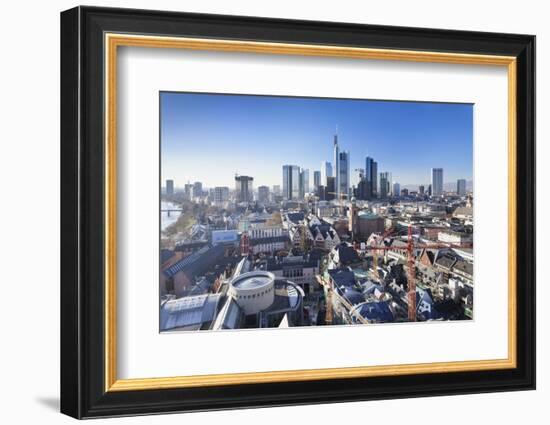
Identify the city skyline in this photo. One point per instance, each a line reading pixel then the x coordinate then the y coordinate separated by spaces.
pixel 240 129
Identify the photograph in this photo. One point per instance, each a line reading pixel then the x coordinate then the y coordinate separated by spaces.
pixel 278 211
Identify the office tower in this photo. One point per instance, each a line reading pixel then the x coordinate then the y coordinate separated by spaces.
pixel 342 170
pixel 169 187
pixel 437 181
pixel 243 188
pixel 375 179
pixel 461 187
pixel 321 193
pixel 326 171
pixel 304 182
pixel 336 162
pixel 429 190
pixel 197 190
pixel 316 180
pixel 421 189
pixel 276 190
pixel 330 191
pixel 369 177
pixel 188 190
pixel 385 184
pixel 396 189
pixel 344 174
pixel 221 194
pixel 263 193
pixel 405 192
pixel 291 182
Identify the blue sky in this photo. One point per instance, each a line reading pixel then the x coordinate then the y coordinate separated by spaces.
pixel 209 137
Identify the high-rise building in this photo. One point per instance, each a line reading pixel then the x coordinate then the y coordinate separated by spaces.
pixel 326 171
pixel 437 181
pixel 243 188
pixel 263 193
pixel 405 192
pixel 316 180
pixel 461 187
pixel 304 182
pixel 169 187
pixel 336 162
pixel 385 179
pixel 291 182
pixel 221 194
pixel 360 192
pixel 188 190
pixel 276 190
pixel 344 174
pixel 342 170
pixel 330 190
pixel 375 179
pixel 396 189
pixel 197 190
pixel 371 175
pixel 421 189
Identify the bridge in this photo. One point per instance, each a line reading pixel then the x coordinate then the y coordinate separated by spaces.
pixel 168 211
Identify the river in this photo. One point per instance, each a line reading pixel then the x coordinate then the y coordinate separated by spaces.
pixel 165 219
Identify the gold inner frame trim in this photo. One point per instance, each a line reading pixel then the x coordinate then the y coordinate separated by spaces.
pixel 113 41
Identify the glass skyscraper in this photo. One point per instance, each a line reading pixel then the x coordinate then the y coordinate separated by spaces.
pixel 291 182
pixel 437 181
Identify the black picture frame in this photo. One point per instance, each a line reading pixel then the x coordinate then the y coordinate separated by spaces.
pixel 82 206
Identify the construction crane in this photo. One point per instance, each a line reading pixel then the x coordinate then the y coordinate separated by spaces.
pixel 328 301
pixel 329 315
pixel 375 252
pixel 411 265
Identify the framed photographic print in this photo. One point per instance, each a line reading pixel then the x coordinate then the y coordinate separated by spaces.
pixel 261 212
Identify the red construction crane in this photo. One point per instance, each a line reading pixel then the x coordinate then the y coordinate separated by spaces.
pixel 411 265
pixel 375 252
pixel 411 277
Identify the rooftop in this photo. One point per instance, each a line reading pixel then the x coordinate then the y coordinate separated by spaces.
pixel 188 312
pixel 251 280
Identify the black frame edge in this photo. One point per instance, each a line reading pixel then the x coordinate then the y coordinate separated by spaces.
pixel 70 383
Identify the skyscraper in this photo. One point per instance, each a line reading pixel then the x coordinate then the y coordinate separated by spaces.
pixel 461 187
pixel 326 171
pixel 263 193
pixel 221 194
pixel 169 187
pixel 291 182
pixel 385 179
pixel 421 189
pixel 369 177
pixel 330 189
pixel 342 174
pixel 437 181
pixel 396 189
pixel 336 162
pixel 316 180
pixel 243 188
pixel 188 190
pixel 197 190
pixel 304 182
